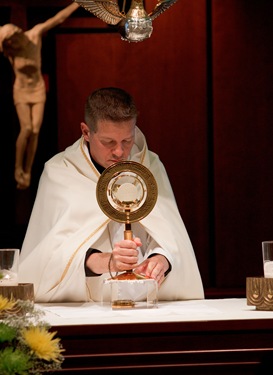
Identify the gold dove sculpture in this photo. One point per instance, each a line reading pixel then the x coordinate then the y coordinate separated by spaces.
pixel 135 25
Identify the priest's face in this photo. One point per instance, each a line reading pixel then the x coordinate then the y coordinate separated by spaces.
pixel 112 142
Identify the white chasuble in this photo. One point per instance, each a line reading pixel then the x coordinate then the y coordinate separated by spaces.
pixel 66 221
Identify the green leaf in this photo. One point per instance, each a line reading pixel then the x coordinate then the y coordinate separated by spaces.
pixel 7 333
pixel 14 362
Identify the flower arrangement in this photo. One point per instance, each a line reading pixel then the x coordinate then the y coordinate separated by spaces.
pixel 26 344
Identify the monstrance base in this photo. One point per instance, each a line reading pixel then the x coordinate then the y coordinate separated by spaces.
pixel 134 292
pixel 130 275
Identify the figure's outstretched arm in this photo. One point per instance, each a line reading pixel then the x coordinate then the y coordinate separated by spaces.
pixel 59 18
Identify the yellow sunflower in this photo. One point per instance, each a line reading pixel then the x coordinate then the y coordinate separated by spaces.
pixel 42 344
pixel 6 304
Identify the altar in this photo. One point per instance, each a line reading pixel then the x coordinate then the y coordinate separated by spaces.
pixel 211 336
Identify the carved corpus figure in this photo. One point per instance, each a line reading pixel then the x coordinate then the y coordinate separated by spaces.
pixel 23 49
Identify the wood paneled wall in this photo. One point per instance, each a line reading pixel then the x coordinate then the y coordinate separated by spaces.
pixel 242 136
pixel 203 84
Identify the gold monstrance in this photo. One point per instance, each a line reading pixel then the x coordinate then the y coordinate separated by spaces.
pixel 126 193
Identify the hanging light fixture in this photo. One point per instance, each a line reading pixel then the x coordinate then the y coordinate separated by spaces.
pixel 135 25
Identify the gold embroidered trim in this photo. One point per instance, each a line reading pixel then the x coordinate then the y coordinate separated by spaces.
pixel 87 159
pixel 76 251
pixel 143 155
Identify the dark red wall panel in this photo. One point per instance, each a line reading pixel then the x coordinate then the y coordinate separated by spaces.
pixel 243 133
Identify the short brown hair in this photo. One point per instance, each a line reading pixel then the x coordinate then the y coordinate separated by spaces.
pixel 109 103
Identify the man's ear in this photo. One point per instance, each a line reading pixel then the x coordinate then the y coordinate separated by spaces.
pixel 85 131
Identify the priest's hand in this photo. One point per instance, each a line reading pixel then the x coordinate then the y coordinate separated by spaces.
pixel 125 255
pixel 154 267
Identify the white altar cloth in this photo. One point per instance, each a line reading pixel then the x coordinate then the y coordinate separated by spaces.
pixel 61 314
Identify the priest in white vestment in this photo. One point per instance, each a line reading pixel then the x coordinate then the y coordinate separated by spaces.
pixel 71 246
